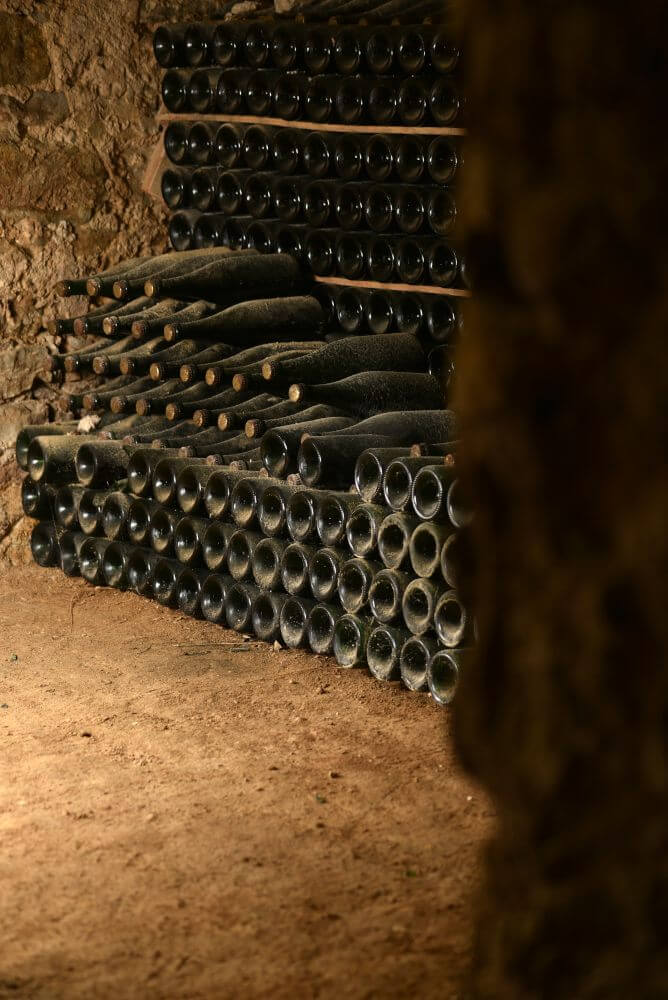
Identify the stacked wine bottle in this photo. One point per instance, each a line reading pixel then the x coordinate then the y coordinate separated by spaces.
pixel 247 467
pixel 339 144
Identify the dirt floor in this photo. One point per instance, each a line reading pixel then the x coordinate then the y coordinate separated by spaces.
pixel 183 815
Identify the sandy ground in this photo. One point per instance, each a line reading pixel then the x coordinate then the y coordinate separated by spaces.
pixel 183 816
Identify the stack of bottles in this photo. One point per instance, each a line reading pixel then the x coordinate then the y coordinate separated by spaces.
pixel 248 468
pixel 339 144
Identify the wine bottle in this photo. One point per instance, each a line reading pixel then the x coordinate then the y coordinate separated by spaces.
pixel 318 50
pixel 108 362
pixel 247 358
pixel 202 188
pixel 191 483
pixel 118 395
pixel 258 196
pixel 398 479
pixel 362 528
pixel 266 563
pixel 426 545
pixel 228 43
pixel 430 490
pixel 101 463
pixel 324 567
pixel 234 278
pixel 91 555
pixel 199 362
pixel 256 427
pixel 351 356
pixel 272 506
pixel 355 578
pixel 380 260
pixel 445 104
pixel 146 266
pixel 202 143
pixel 383 650
pixel 351 634
pixel 93 323
pixel 162 528
pixel 443 160
pixel 294 567
pixel 78 286
pixel 296 317
pixel 320 628
pixel 288 95
pixel 414 659
pixel 232 417
pixel 373 392
pixel 293 621
pixel 131 364
pixel 169 45
pixel 386 594
pixel 317 155
pixel 394 539
pixel 286 151
pixel 366 99
pixel 331 460
pixel 211 230
pixel 79 361
pixel 266 615
pixel 198 44
pixel 280 447
pixel 176 143
pixel 301 515
pixel 64 504
pixel 240 550
pixel 175 188
pixel 228 146
pixel 181 230
pixel 39 500
pixel 406 427
pixel 259 92
pixel 443 673
pixel 239 603
pixel 231 91
pixel 370 468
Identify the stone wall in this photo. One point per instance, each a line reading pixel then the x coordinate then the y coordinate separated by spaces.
pixel 563 400
pixel 78 97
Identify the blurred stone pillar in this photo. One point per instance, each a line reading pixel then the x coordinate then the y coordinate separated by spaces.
pixel 563 392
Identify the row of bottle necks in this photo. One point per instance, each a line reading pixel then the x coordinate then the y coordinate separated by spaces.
pixel 408 159
pixel 390 653
pixel 378 51
pixel 348 309
pixel 415 101
pixel 329 252
pixel 350 205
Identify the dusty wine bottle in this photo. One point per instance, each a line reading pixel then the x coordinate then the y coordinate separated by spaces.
pixel 293 621
pixel 320 628
pixel 370 468
pixel 323 570
pixel 40 500
pixel 362 529
pixel 348 357
pixel 398 479
pixel 350 638
pixel 419 604
pixel 414 659
pixel 394 539
pixel 235 278
pixel 386 594
pixel 383 651
pixel 373 392
pixel 430 490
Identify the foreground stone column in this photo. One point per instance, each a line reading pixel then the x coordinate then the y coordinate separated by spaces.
pixel 563 394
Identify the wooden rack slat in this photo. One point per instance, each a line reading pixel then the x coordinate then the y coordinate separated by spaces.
pixel 390 286
pixel 166 117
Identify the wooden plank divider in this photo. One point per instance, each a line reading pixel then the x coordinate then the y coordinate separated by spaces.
pixel 390 286
pixel 165 117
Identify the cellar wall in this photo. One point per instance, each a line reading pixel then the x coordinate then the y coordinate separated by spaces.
pixel 78 99
pixel 562 396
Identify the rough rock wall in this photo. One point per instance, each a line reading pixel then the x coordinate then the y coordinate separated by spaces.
pixel 78 98
pixel 563 396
